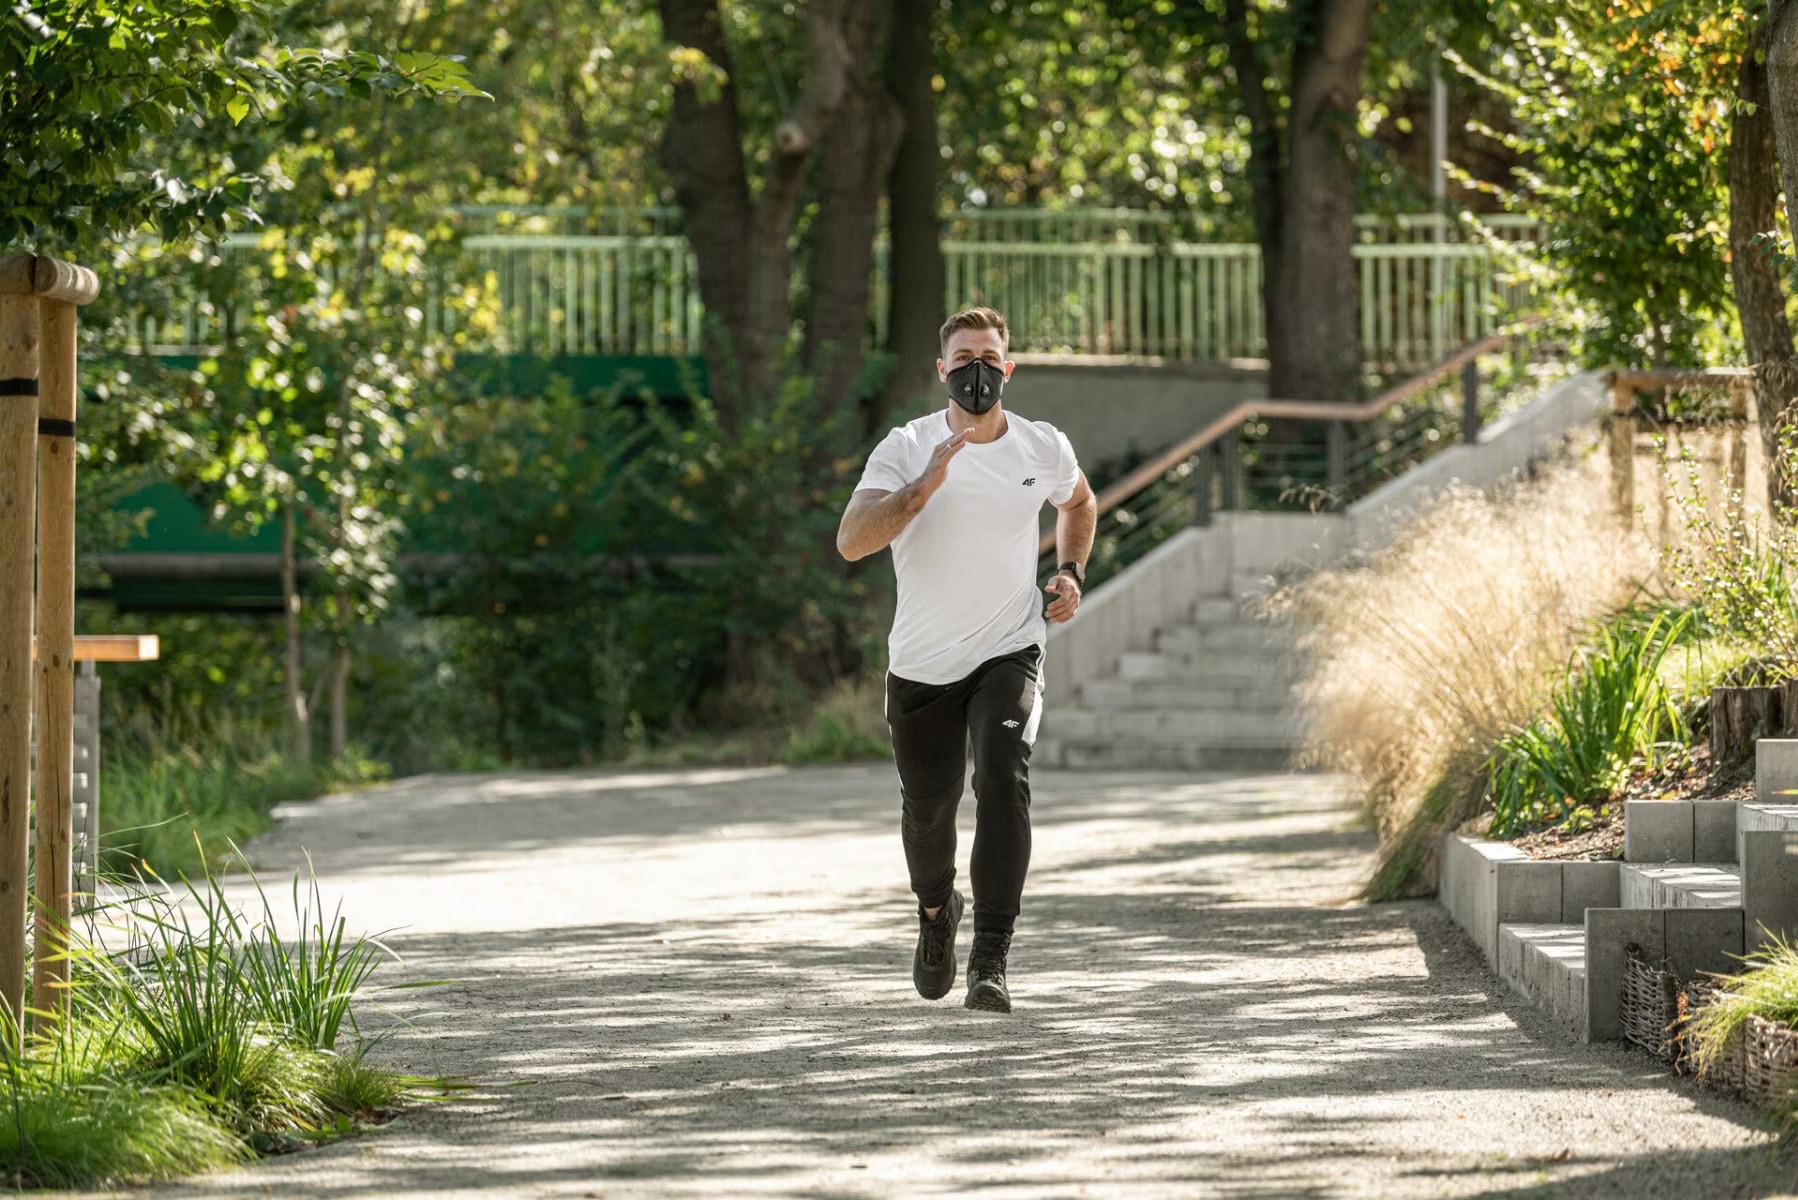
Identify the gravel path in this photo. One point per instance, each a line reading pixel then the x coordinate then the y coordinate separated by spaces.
pixel 697 984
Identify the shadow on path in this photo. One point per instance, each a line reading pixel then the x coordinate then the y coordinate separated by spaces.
pixel 1198 1014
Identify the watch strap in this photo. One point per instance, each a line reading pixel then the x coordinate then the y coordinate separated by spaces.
pixel 1078 571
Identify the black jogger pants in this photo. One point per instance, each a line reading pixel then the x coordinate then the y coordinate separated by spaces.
pixel 997 706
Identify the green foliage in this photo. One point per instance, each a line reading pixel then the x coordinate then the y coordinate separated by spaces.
pixel 87 92
pixel 1610 710
pixel 1618 112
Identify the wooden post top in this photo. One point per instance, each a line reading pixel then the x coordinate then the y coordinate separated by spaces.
pixel 48 278
pixel 115 647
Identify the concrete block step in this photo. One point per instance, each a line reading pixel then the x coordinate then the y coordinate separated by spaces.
pixel 1681 885
pixel 1230 668
pixel 1770 817
pixel 1215 726
pixel 1213 610
pixel 1117 755
pixel 1258 695
pixel 1202 640
pixel 1775 770
pixel 1679 831
pixel 1547 964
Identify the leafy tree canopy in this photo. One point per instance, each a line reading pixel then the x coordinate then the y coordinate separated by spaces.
pixel 88 91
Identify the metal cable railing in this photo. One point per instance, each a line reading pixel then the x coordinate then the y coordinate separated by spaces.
pixel 1272 455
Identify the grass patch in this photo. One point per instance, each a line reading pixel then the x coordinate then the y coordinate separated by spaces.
pixel 197 1036
pixel 1767 988
pixel 848 725
pixel 172 810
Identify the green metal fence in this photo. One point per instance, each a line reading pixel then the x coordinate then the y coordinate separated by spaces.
pixel 1081 283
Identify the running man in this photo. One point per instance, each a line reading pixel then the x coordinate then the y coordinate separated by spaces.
pixel 957 494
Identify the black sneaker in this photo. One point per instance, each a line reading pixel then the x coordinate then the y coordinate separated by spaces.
pixel 933 965
pixel 986 972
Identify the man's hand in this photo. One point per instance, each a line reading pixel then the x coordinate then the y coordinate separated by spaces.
pixel 938 469
pixel 1067 598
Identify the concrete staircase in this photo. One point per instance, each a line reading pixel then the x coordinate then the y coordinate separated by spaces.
pixel 1215 692
pixel 1702 882
pixel 1164 667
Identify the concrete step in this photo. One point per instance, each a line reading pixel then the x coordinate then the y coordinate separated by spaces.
pixel 1755 817
pixel 1679 831
pixel 1681 885
pixel 1219 668
pixel 1260 695
pixel 1547 964
pixel 1213 610
pixel 1215 726
pixel 1775 769
pixel 1207 640
pixel 1170 755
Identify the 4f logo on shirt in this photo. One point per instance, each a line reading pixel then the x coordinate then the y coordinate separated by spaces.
pixel 1011 724
pixel 1030 482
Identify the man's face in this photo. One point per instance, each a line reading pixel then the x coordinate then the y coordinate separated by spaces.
pixel 966 345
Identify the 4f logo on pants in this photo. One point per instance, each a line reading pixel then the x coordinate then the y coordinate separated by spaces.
pixel 1011 724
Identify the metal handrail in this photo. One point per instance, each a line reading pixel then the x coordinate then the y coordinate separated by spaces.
pixel 1337 414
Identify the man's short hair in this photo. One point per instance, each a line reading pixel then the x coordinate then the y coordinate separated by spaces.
pixel 973 318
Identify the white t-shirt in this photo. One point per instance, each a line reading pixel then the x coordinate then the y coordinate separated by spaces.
pixel 967 562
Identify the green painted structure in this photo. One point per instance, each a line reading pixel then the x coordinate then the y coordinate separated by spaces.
pixel 185 561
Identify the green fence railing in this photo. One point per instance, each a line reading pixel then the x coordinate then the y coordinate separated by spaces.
pixel 1079 283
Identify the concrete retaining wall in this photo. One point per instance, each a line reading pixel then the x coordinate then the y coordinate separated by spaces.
pixel 1487 884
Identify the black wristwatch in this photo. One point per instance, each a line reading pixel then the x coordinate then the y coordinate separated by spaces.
pixel 1075 569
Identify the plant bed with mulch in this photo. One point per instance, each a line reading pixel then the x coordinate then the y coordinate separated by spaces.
pixel 1596 833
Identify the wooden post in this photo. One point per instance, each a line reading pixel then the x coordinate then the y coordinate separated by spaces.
pixel 1623 448
pixel 55 664
pixel 26 282
pixel 18 521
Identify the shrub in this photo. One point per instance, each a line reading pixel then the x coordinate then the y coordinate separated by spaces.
pixel 1611 709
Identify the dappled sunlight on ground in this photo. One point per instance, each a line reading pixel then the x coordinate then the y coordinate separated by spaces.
pixel 697 984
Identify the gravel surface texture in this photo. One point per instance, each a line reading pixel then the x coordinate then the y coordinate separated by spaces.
pixel 697 984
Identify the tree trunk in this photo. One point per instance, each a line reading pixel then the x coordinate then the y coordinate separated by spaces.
pixel 299 718
pixel 1267 173
pixel 1754 209
pixel 742 246
pixel 702 153
pixel 1316 284
pixel 853 157
pixel 915 270
pixel 1740 715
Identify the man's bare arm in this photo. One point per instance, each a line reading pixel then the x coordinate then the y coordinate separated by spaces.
pixel 874 518
pixel 1074 525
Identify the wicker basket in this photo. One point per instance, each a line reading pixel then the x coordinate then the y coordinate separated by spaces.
pixel 1648 1003
pixel 1727 1072
pixel 1770 1062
